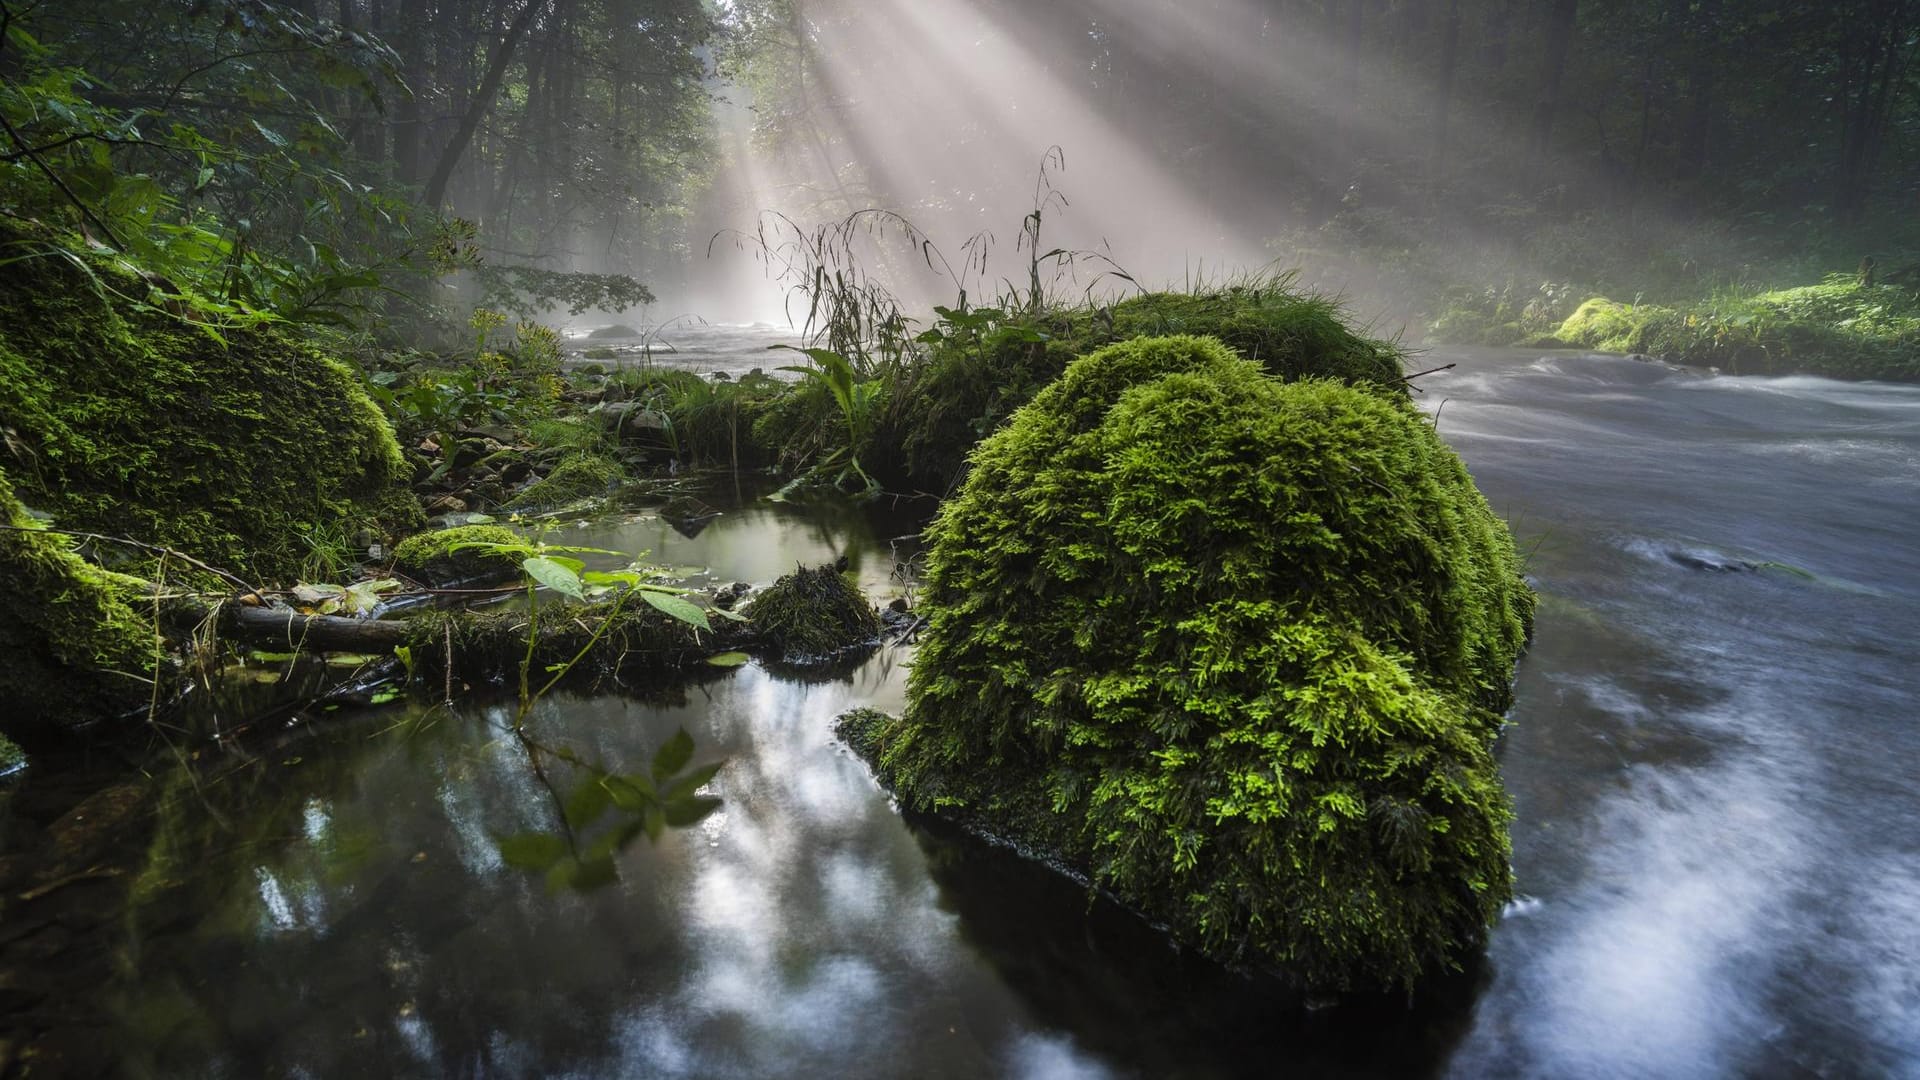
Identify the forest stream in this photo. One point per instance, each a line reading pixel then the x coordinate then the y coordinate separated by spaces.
pixel 1709 757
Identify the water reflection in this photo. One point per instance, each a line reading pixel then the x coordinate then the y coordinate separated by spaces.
pixel 1712 772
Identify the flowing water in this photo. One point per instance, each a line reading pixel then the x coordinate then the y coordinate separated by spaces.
pixel 1713 757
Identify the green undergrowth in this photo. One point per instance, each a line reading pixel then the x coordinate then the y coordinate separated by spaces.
pixel 577 476
pixel 812 614
pixel 1841 327
pixel 1235 648
pixel 431 556
pixel 78 642
pixel 127 413
pixel 978 371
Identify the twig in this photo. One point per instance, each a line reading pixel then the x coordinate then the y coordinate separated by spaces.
pixel 85 211
pixel 1429 371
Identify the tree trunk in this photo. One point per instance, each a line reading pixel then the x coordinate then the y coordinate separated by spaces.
pixel 1443 91
pixel 496 73
pixel 1561 20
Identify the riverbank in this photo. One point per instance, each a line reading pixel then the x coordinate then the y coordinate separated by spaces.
pixel 1859 326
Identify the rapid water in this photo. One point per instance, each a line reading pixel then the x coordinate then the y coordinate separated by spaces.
pixel 1714 757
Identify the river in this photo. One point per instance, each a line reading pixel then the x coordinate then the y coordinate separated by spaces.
pixel 1714 758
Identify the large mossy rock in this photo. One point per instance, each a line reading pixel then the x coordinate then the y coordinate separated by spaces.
pixel 74 647
pixel 125 418
pixel 973 381
pixel 1235 648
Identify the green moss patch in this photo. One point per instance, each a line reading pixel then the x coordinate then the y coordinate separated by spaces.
pixel 577 476
pixel 1233 647
pixel 431 557
pixel 76 643
pixel 813 614
pixel 975 377
pixel 1841 328
pixel 128 420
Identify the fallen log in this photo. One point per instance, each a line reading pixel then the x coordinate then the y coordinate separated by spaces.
pixel 806 615
pixel 286 629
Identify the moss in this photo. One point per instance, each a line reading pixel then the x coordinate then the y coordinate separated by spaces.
pixel 1602 324
pixel 577 476
pixel 430 557
pixel 570 433
pixel 12 758
pixel 813 614
pixel 127 420
pixel 76 648
pixel 1839 328
pixel 972 381
pixel 1235 648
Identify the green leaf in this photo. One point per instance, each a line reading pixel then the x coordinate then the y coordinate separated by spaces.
pixel 673 755
pixel 690 810
pixel 596 873
pixel 677 608
pixel 587 803
pixel 533 851
pixel 631 793
pixel 692 782
pixel 553 575
pixel 729 659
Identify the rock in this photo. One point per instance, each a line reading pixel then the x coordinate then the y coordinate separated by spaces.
pixel 814 615
pixel 446 504
pixel 437 559
pixel 1236 650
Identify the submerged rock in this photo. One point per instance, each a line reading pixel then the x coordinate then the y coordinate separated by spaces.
pixel 1236 650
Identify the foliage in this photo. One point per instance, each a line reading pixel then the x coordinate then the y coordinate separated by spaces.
pixel 581 855
pixel 231 447
pixel 858 400
pixel 1842 327
pixel 1237 649
pixel 556 568
pixel 529 292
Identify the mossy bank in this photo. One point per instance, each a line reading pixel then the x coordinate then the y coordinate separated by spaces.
pixel 1844 327
pixel 1234 648
pixel 134 415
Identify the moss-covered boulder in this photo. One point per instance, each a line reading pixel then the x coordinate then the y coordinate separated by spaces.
pixel 978 374
pixel 1236 649
pixel 74 647
pixel 142 419
pixel 577 476
pixel 1602 324
pixel 813 615
pixel 439 559
pixel 1842 327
